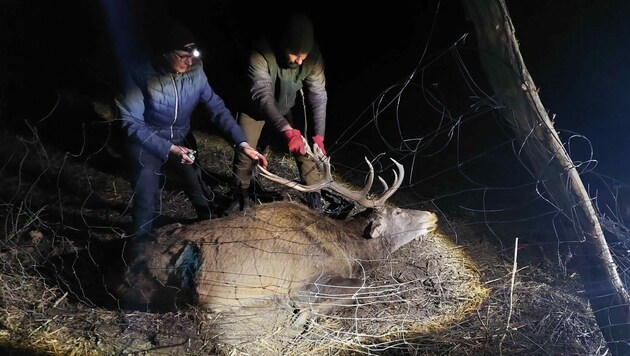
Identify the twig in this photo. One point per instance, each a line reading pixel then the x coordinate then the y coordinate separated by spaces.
pixel 514 268
pixel 41 326
pixel 60 300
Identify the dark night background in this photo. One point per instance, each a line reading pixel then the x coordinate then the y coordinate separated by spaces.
pixel 574 50
pixel 577 53
pixel 59 59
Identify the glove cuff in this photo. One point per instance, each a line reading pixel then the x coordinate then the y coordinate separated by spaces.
pixel 291 133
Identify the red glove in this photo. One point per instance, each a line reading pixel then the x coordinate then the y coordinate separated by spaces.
pixel 296 145
pixel 319 141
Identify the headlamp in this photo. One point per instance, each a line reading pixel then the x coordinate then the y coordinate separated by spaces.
pixel 192 49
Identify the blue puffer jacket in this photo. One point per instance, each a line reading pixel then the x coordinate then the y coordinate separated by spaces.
pixel 156 107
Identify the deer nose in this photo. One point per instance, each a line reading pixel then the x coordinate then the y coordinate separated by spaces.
pixel 431 221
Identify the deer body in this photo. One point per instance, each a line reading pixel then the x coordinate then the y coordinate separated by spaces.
pixel 279 250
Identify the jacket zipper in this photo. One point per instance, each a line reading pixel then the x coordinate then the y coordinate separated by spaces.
pixel 176 105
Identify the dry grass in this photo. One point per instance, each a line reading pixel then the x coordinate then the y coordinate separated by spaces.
pixel 433 297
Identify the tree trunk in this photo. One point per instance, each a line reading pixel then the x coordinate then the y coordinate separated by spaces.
pixel 514 89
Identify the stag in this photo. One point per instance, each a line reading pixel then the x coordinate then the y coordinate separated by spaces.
pixel 279 251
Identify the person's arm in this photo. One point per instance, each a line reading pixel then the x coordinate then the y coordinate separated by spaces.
pixel 223 119
pixel 262 92
pixel 315 84
pixel 254 155
pixel 220 116
pixel 131 107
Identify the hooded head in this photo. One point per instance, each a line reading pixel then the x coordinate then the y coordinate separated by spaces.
pixel 296 39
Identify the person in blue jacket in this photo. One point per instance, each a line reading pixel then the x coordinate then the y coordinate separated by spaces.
pixel 156 106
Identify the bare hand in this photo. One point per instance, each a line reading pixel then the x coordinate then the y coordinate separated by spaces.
pixel 187 154
pixel 255 156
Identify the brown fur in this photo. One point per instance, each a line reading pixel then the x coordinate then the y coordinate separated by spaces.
pixel 278 250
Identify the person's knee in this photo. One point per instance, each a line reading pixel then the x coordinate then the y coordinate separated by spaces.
pixel 309 174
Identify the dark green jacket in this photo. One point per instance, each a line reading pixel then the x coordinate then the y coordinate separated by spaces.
pixel 273 89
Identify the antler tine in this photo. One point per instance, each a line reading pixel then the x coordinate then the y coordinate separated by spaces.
pixel 389 191
pixel 370 177
pixel 292 184
pixel 327 182
pixel 384 183
pixel 319 159
pixel 361 198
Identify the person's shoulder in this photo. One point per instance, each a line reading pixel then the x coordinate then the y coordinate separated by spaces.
pixel 196 66
pixel 138 72
pixel 314 56
pixel 261 56
pixel 315 52
pixel 196 71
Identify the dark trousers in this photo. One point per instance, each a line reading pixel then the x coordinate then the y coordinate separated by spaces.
pixel 148 180
pixel 242 165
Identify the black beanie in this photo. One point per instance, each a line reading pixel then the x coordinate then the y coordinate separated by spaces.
pixel 297 36
pixel 178 37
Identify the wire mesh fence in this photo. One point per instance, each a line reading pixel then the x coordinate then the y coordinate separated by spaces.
pixel 500 274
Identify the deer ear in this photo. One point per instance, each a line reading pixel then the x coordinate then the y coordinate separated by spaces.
pixel 377 228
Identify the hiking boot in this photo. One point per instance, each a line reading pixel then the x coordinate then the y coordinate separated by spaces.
pixel 241 202
pixel 315 201
pixel 204 212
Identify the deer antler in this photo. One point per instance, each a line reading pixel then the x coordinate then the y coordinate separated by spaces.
pixel 323 165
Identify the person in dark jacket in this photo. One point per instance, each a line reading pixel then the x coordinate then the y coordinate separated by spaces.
pixel 280 66
pixel 156 108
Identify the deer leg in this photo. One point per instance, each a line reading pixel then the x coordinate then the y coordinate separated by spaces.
pixel 325 296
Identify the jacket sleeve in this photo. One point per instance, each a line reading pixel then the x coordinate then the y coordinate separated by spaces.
pixel 262 92
pixel 315 84
pixel 131 106
pixel 220 116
